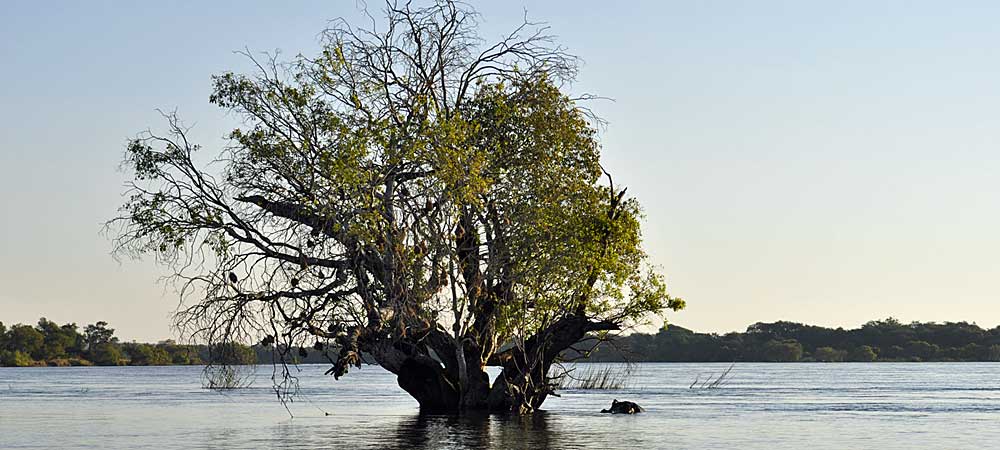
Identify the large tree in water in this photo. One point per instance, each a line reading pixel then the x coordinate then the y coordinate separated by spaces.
pixel 413 193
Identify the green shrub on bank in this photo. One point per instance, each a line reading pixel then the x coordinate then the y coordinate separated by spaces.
pixel 16 358
pixel 862 353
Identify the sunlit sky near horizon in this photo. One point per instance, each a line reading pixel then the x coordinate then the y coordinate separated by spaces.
pixel 821 162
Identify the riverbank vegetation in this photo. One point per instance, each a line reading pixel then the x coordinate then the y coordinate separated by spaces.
pixel 50 344
pixel 881 340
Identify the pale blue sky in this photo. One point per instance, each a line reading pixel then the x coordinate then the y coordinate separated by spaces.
pixel 828 163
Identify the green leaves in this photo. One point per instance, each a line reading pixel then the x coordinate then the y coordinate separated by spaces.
pixel 392 188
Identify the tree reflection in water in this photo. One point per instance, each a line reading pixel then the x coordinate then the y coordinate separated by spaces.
pixel 494 431
pixel 406 431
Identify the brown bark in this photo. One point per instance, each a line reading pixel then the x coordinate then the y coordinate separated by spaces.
pixel 523 384
pixel 521 388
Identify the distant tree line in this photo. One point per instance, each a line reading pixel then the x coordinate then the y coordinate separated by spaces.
pixel 882 340
pixel 51 344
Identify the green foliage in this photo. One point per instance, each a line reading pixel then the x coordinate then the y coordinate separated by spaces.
pixel 387 193
pixel 106 354
pixel 829 354
pixel 921 350
pixel 532 155
pixel 60 341
pixel 47 341
pixel 62 345
pixel 147 355
pixel 98 333
pixel 477 192
pixel 101 345
pixel 181 354
pixel 230 354
pixel 26 339
pixel 862 353
pixel 782 351
pixel 15 358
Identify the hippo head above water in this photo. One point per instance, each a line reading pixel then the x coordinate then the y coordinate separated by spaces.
pixel 625 407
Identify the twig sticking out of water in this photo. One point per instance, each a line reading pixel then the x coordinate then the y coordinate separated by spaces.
pixel 711 383
pixel 604 378
pixel 227 377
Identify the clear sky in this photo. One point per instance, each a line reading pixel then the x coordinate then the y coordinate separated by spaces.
pixel 822 162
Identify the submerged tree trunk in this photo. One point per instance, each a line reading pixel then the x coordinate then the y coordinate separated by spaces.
pixel 524 384
pixel 427 367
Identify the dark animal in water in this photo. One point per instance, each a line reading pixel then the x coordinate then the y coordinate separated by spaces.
pixel 618 407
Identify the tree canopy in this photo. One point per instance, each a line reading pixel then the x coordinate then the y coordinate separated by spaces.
pixel 413 193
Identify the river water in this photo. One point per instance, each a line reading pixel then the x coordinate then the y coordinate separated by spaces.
pixel 773 406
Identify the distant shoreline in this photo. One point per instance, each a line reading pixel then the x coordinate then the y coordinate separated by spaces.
pixel 877 341
pixel 48 344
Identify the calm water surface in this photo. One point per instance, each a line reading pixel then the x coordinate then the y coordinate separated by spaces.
pixel 845 405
